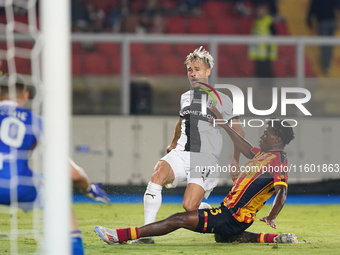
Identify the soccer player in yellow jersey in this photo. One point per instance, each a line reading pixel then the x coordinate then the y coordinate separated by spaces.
pixel 262 176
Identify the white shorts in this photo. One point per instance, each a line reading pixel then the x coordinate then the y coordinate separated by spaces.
pixel 191 166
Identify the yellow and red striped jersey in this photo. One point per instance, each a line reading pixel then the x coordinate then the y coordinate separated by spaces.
pixel 255 184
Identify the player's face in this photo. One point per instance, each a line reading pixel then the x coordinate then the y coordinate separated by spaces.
pixel 268 139
pixel 198 72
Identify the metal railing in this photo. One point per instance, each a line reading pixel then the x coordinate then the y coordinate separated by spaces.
pixel 212 40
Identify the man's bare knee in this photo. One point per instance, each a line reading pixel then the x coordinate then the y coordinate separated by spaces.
pixel 162 174
pixel 190 206
pixel 179 219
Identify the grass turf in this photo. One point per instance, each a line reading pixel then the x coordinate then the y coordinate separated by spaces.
pixel 317 228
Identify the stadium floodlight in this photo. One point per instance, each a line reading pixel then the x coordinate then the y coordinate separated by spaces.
pixel 55 23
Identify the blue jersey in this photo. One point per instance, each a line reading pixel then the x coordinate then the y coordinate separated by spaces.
pixel 19 132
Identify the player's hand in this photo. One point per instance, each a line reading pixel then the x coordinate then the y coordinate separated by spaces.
pixel 269 221
pixel 216 112
pixel 218 115
pixel 170 148
pixel 96 193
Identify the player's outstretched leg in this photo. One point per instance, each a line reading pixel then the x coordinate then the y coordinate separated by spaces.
pixel 286 238
pixel 77 243
pixel 162 174
pixel 152 204
pixel 251 237
pixel 77 240
pixel 188 220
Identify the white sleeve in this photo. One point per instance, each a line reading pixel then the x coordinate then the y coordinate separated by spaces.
pixel 181 108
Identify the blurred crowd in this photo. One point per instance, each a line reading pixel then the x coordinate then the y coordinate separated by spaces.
pixel 148 16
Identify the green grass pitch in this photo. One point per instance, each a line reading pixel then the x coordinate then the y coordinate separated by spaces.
pixel 317 228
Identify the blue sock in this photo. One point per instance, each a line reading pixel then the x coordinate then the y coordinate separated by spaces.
pixel 77 246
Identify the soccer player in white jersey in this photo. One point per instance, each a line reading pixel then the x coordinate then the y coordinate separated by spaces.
pixel 196 143
pixel 20 131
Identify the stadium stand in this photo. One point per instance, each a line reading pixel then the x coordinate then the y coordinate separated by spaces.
pixel 161 48
pixel 225 26
pixel 77 64
pixel 109 49
pixel 219 17
pixel 96 63
pixel 199 26
pixel 150 68
pixel 176 25
pixel 172 65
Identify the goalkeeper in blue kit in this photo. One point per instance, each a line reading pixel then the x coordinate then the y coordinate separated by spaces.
pixel 20 130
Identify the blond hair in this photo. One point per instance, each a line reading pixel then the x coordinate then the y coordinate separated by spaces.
pixel 200 55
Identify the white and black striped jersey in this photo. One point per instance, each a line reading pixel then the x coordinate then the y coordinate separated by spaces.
pixel 197 133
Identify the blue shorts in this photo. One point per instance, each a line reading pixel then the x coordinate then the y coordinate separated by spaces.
pixel 219 221
pixel 29 192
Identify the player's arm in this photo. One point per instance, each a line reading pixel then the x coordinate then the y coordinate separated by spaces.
pixel 90 190
pixel 279 201
pixel 79 177
pixel 235 160
pixel 241 144
pixel 177 135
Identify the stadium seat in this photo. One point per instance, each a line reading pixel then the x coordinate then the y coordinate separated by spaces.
pixel 280 68
pixel 136 5
pixel 171 64
pixel 245 26
pixel 109 49
pixel 3 66
pixel 226 66
pixel 222 50
pixel 176 25
pixel 309 72
pixel 245 67
pixel 77 48
pixel 215 9
pixel 291 65
pixel 3 18
pixel 225 26
pixel 199 26
pixel 115 63
pixel 160 48
pixel 281 28
pixel 138 48
pixel 96 64
pixel 21 18
pixel 77 64
pixel 3 45
pixel 237 50
pixel 185 48
pixel 170 4
pixel 26 45
pixel 287 50
pixel 230 10
pixel 23 65
pixel 105 5
pixel 146 64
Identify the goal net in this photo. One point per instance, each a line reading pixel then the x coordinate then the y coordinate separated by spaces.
pixel 28 55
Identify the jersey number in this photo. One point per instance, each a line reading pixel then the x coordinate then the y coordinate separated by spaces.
pixel 12 132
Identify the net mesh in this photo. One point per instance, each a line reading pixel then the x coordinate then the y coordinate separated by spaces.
pixel 20 52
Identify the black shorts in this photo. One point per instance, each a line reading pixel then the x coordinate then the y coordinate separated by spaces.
pixel 220 221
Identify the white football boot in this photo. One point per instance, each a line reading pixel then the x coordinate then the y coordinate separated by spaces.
pixel 109 236
pixel 285 238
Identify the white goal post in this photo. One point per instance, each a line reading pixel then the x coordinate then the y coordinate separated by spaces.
pixel 56 77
